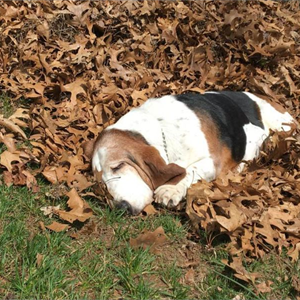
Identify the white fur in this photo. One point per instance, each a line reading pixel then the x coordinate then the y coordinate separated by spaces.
pixel 129 187
pixel 255 137
pixel 272 118
pixel 98 159
pixel 186 146
pixel 181 127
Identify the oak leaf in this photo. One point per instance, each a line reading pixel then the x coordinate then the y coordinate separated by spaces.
pixel 12 126
pixel 152 240
pixel 80 210
pixel 6 159
pixel 58 227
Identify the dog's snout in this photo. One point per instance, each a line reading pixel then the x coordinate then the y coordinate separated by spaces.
pixel 124 205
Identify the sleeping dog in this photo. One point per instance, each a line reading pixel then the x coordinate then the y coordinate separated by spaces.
pixel 158 150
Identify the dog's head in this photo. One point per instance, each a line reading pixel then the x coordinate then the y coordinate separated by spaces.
pixel 131 168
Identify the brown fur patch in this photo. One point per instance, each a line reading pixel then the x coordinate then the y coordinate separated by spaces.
pixel 88 148
pixel 220 153
pixel 258 111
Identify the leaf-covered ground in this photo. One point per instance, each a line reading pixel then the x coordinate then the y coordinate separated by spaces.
pixel 70 68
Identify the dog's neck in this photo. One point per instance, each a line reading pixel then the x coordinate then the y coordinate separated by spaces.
pixel 165 144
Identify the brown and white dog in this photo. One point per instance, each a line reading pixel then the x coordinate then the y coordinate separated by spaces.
pixel 158 150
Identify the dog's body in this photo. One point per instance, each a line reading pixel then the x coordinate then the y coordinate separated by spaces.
pixel 169 143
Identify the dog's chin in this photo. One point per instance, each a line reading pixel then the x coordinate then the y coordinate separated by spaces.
pixel 132 206
pixel 127 208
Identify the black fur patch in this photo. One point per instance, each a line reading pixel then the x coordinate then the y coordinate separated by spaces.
pixel 230 111
pixel 247 105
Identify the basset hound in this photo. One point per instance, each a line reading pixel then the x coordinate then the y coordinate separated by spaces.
pixel 158 150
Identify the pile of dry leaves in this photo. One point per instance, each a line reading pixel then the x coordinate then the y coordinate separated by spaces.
pixel 74 67
pixel 258 209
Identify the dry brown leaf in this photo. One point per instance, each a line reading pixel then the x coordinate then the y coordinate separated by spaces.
pixel 296 283
pixel 8 178
pixel 58 227
pixel 88 229
pixel 150 210
pixel 6 159
pixel 264 287
pixel 235 220
pixel 75 88
pixel 42 226
pixel 240 272
pixel 80 210
pixel 12 126
pixel 31 182
pixel 294 252
pixel 50 175
pixel 152 240
pixel 8 141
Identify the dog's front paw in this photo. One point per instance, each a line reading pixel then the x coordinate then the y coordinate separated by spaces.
pixel 169 195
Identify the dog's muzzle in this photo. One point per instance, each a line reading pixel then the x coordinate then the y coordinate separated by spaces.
pixel 124 205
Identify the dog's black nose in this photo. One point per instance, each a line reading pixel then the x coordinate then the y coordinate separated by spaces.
pixel 124 205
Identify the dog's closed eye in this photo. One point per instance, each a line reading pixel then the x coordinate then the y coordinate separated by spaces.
pixel 118 167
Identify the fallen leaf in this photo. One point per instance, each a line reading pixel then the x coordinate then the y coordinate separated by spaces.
pixel 235 220
pixel 12 126
pixel 50 175
pixel 9 142
pixel 8 178
pixel 49 210
pixel 240 272
pixel 80 210
pixel 150 210
pixel 6 159
pixel 42 226
pixel 152 240
pixel 264 287
pixel 296 282
pixel 294 252
pixel 57 227
pixel 88 229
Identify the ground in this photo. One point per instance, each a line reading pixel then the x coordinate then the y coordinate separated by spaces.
pixel 100 263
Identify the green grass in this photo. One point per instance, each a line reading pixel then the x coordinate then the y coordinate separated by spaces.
pixel 280 271
pixel 6 106
pixel 102 265
pixel 96 267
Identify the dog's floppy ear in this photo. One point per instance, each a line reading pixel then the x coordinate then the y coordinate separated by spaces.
pixel 157 170
pixel 167 174
pixel 88 148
